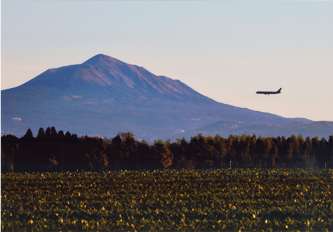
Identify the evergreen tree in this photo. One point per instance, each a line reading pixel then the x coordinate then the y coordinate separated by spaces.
pixel 41 133
pixel 28 135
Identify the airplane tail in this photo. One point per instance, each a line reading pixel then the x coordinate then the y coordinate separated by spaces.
pixel 279 91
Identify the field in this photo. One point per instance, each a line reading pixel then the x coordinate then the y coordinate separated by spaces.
pixel 228 200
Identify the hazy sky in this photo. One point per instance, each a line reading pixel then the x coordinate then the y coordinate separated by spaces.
pixel 224 49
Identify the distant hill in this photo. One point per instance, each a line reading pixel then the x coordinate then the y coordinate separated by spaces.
pixel 104 96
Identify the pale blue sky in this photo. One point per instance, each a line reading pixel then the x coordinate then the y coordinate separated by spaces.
pixel 224 49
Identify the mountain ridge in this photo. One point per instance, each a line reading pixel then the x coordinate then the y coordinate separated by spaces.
pixel 104 95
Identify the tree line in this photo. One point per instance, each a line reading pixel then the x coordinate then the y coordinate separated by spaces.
pixel 52 150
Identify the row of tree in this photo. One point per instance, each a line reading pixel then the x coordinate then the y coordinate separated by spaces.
pixel 58 151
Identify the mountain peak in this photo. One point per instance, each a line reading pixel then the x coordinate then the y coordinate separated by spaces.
pixel 102 58
pixel 116 77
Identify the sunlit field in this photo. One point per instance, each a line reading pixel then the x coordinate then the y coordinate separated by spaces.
pixel 228 200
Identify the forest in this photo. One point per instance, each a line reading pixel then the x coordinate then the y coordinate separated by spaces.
pixel 52 150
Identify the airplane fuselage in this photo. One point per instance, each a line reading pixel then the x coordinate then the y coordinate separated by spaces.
pixel 269 92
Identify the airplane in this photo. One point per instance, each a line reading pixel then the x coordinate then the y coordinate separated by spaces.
pixel 269 92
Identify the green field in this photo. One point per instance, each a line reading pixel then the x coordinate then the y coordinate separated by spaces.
pixel 228 200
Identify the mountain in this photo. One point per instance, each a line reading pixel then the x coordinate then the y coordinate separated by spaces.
pixel 104 96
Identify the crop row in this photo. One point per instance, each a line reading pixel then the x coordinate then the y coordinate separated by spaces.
pixel 228 199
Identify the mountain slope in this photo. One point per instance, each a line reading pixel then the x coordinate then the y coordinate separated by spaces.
pixel 104 96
